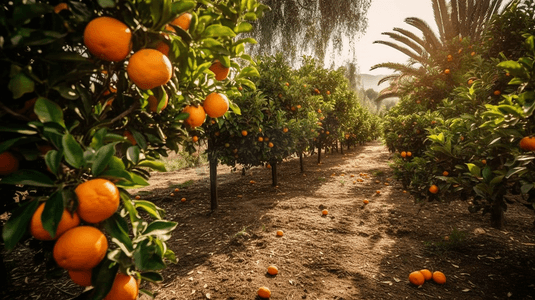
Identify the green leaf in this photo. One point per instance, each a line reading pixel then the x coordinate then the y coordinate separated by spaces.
pixel 497 179
pixel 218 30
pixel 155 165
pixel 15 228
pixel 20 84
pixel 19 129
pixel 149 207
pixel 74 155
pixel 116 164
pixel 117 228
pixel 235 108
pixel 102 158
pixel 487 173
pixel 9 143
pixel 170 255
pixel 132 154
pixel 182 6
pixel 526 188
pixel 246 40
pixel 160 227
pixel 48 111
pixel 512 67
pixel 106 3
pixel 243 27
pixel 102 278
pixel 52 213
pixel 28 177
pixel 474 170
pixel 249 71
pixel 152 277
pixel 147 258
pixel 117 175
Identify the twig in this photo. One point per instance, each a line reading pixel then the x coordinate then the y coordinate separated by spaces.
pixel 9 111
pixel 123 114
pixel 64 291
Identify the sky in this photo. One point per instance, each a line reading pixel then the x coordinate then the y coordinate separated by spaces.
pixel 383 16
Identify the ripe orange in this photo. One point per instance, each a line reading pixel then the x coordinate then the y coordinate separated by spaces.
pixel 377 192
pixel 484 161
pixel 108 39
pixel 433 189
pixel 403 154
pixel 427 274
pixel 130 137
pixel 195 139
pixel 366 201
pixel 244 132
pixel 215 105
pixel 324 212
pixel 149 68
pixel 416 278
pixel 153 103
pixel 196 115
pixel 138 197
pixel 270 145
pixel 8 163
pixel 67 222
pixel 60 7
pixel 319 111
pixel 98 199
pixel 220 71
pixel 183 21
pixel 287 84
pixel 163 48
pixel 473 53
pixel 82 277
pixel 328 92
pixel 527 143
pixel 176 190
pixel 445 173
pixel 439 277
pixel 124 288
pixel 497 93
pixel 285 129
pixel 272 270
pixel 470 81
pixel 183 200
pixel 409 154
pixel 260 139
pixel 264 292
pixel 447 71
pixel 80 248
pixel 240 88
pixel 280 233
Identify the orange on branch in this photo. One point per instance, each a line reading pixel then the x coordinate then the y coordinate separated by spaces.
pixel 80 248
pixel 66 222
pixel 149 68
pixel 82 278
pixel 98 199
pixel 108 39
pixel 124 287
pixel 196 117
pixel 221 72
pixel 153 103
pixel 183 21
pixel 216 105
pixel 9 163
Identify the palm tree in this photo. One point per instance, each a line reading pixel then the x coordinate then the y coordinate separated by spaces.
pixel 458 18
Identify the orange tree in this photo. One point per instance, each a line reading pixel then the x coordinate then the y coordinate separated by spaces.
pixel 94 92
pixel 472 151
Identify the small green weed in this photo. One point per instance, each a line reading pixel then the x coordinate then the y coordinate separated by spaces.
pixel 455 241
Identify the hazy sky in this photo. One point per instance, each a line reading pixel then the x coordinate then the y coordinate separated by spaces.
pixel 383 16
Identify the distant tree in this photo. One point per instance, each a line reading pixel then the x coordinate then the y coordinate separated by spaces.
pixel 371 94
pixel 299 26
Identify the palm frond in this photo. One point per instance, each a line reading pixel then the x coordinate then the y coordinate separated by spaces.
pixel 402 39
pixel 388 78
pixel 413 37
pixel 384 94
pixel 462 18
pixel 455 17
pixel 438 18
pixel 428 33
pixel 401 68
pixel 401 49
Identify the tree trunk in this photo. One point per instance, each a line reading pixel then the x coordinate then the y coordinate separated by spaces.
pixel 274 181
pixel 341 147
pixel 213 178
pixel 497 216
pixel 301 162
pixel 319 154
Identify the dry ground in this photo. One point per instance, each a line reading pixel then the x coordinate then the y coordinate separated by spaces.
pixel 356 252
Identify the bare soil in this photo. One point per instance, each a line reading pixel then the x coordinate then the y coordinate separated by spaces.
pixel 357 251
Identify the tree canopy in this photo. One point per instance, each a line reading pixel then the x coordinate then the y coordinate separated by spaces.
pixel 310 26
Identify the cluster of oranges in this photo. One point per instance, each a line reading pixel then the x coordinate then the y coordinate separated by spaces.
pixel 79 249
pixel 420 277
pixel 406 154
pixel 110 39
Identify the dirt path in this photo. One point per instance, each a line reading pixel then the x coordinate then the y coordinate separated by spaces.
pixel 357 251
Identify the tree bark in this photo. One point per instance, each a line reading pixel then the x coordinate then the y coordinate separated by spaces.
pixel 497 216
pixel 301 162
pixel 274 180
pixel 319 153
pixel 213 178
